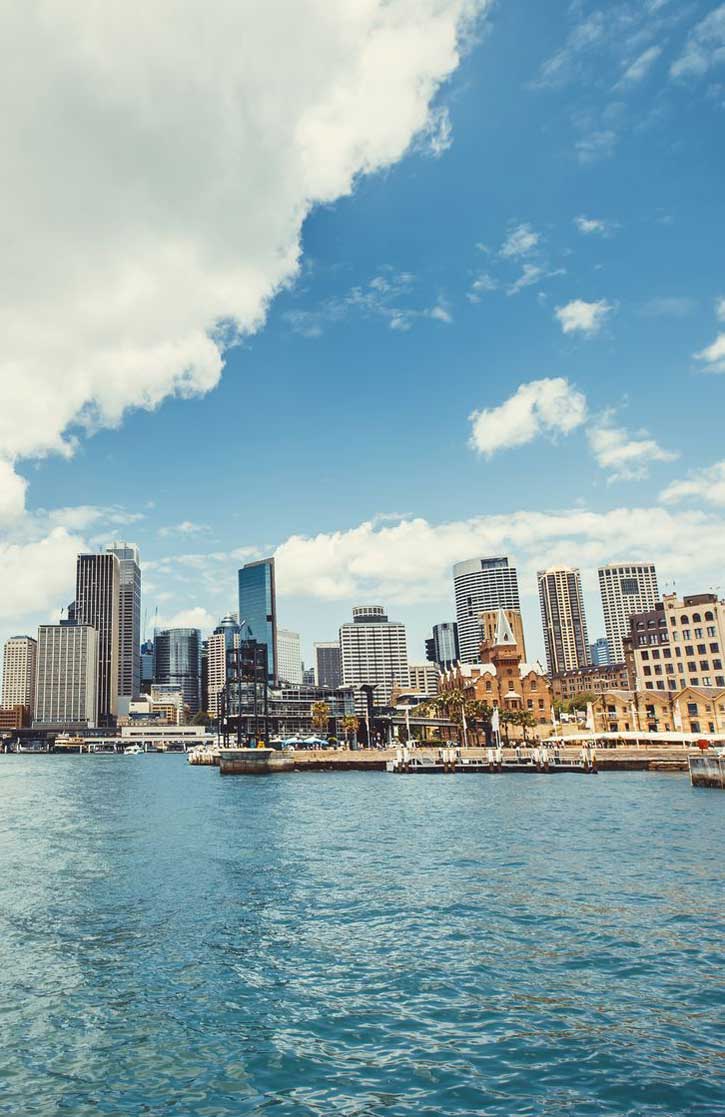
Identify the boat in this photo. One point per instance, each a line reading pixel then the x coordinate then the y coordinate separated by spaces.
pixel 133 750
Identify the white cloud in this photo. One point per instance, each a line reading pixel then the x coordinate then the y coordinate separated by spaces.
pixel 38 575
pixel 551 407
pixel 706 485
pixel 532 275
pixel 713 356
pixel 194 617
pixel 482 284
pixel 441 314
pixel 589 225
pixel 626 456
pixel 186 527
pixel 161 177
pixel 637 70
pixel 705 47
pixel 579 316
pixel 384 296
pixel 520 242
pixel 12 492
pixel 599 144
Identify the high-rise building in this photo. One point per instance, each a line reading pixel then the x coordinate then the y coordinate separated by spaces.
pixel 224 639
pixel 66 676
pixel 98 604
pixel 626 588
pixel 442 647
pixel 258 609
pixel 328 664
pixel 424 678
pixel 481 584
pixel 129 635
pixel 308 676
pixel 563 619
pixel 374 652
pixel 147 666
pixel 19 672
pixel 599 652
pixel 177 663
pixel 289 657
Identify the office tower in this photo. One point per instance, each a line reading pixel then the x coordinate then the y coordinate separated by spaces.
pixel 626 588
pixel 147 666
pixel 224 639
pixel 328 664
pixel 258 609
pixel 442 648
pixel 204 679
pixel 374 652
pixel 481 584
pixel 563 619
pixel 308 676
pixel 599 651
pixel 129 636
pixel 491 622
pixel 424 678
pixel 98 604
pixel 19 672
pixel 66 676
pixel 177 663
pixel 289 657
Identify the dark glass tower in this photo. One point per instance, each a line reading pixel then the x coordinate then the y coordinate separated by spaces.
pixel 177 663
pixel 258 609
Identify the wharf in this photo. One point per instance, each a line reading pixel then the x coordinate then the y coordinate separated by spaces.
pixel 708 771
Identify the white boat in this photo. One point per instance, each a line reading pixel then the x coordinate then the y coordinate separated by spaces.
pixel 133 750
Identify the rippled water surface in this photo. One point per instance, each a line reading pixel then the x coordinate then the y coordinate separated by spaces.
pixel 174 943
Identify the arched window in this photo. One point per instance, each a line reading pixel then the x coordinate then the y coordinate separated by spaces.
pixel 709 616
pixel 684 620
pixel 696 618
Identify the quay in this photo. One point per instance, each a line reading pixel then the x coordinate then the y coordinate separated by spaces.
pixel 708 771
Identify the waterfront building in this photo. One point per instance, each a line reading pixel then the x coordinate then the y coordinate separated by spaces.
pixel 678 644
pixel 215 666
pixel 97 604
pixel 599 652
pixel 147 666
pixel 14 717
pixel 563 619
pixel 442 647
pixel 589 680
pixel 424 678
pixel 481 584
pixel 66 677
pixel 177 663
pixel 626 588
pixel 490 620
pixel 19 672
pixel 258 608
pixel 129 627
pixel 289 657
pixel 374 652
pixel 328 664
pixel 690 710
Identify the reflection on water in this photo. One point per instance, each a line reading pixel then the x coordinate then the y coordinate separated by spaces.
pixel 172 943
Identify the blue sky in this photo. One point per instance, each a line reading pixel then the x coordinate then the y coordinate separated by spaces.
pixel 558 227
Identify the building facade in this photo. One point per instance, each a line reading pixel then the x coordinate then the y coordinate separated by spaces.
pixel 19 657
pixel 490 621
pixel 481 584
pixel 289 657
pixel 589 680
pixel 625 588
pixel 66 678
pixel 442 647
pixel 563 619
pixel 599 651
pixel 374 652
pixel 424 678
pixel 177 663
pixel 97 605
pixel 258 609
pixel 690 710
pixel 678 644
pixel 129 624
pixel 328 664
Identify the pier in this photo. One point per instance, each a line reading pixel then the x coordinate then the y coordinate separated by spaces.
pixel 708 771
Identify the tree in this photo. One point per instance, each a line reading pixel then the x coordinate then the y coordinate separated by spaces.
pixel 320 716
pixel 202 718
pixel 507 718
pixel 478 714
pixel 527 721
pixel 349 725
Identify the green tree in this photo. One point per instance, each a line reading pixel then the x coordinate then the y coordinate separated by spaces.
pixel 349 725
pixel 320 716
pixel 527 721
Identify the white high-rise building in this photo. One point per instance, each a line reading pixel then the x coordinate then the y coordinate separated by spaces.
pixel 626 588
pixel 481 584
pixel 19 672
pixel 374 651
pixel 424 678
pixel 129 627
pixel 216 666
pixel 563 619
pixel 289 657
pixel 66 676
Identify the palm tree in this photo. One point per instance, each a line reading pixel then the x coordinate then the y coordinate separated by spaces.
pixel 507 718
pixel 478 713
pixel 320 716
pixel 349 725
pixel 527 721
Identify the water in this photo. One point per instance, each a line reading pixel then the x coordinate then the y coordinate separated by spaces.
pixel 177 944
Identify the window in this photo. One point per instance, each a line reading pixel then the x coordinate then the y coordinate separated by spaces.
pixel 714 647
pixel 541 703
pixel 717 664
pixel 694 681
pixel 698 634
pixel 709 616
pixel 678 653
pixel 701 649
pixel 686 634
pixel 647 670
pixel 692 709
pixel 689 650
pixel 696 618
pixel 704 665
pixel 684 620
pixel 645 655
pixel 667 653
pixel 530 703
pixel 695 726
pixel 706 680
pixel 669 668
pixel 660 684
pixel 691 665
pixel 720 680
pixel 656 654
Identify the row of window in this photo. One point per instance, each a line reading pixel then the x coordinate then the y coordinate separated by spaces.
pixel 702 649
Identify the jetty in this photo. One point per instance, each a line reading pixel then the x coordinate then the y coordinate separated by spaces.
pixel 708 770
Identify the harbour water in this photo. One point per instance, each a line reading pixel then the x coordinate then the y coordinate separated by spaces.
pixel 176 944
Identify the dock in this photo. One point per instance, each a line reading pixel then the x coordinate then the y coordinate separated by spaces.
pixel 708 770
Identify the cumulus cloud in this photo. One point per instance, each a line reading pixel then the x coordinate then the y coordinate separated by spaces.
pixel 194 617
pixel 482 284
pixel 520 242
pixel 38 575
pixel 579 316
pixel 713 356
pixel 589 225
pixel 155 183
pixel 705 47
pixel 706 485
pixel 550 407
pixel 626 456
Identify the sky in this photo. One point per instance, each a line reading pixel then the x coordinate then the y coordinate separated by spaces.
pixel 370 287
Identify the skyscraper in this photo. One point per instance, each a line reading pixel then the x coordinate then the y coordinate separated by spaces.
pixel 129 659
pixel 258 609
pixel 328 664
pixel 177 663
pixel 481 584
pixel 442 648
pixel 98 604
pixel 375 652
pixel 19 672
pixel 599 650
pixel 66 675
pixel 289 657
pixel 626 588
pixel 563 619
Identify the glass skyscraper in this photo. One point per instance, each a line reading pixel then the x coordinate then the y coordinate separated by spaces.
pixel 177 663
pixel 258 609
